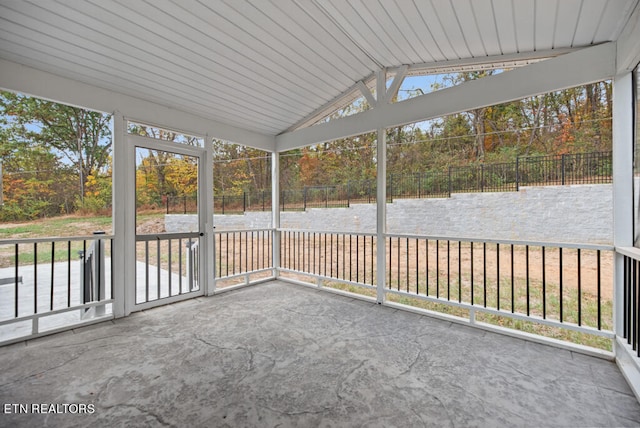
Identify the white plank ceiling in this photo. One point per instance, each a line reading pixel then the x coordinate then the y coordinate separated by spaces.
pixel 265 65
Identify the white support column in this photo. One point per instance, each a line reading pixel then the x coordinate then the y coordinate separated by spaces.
pixel 381 214
pixel 622 183
pixel 207 257
pixel 122 255
pixel 275 211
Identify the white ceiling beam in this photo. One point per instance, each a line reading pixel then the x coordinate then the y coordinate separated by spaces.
pixel 519 59
pixel 364 90
pixel 466 64
pixel 577 68
pixel 30 81
pixel 629 43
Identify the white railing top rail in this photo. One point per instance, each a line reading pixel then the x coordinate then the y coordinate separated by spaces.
pixel 53 239
pixel 577 245
pixel 165 236
pixel 334 232
pixel 262 229
pixel 582 246
pixel 632 252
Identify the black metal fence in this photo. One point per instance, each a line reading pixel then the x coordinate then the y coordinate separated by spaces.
pixel 580 168
pixel 259 200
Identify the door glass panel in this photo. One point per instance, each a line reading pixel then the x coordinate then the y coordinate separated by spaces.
pixel 166 183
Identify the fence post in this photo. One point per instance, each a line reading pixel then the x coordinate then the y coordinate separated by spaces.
pixel 348 194
pixel 517 173
pixel 168 204
pixel 223 204
pixel 244 202
pixel 304 198
pixel 326 197
pixel 449 181
pixel 263 199
pixel 184 204
pixel 391 188
pixel 481 177
pixel 369 190
pixel 562 166
pixel 282 199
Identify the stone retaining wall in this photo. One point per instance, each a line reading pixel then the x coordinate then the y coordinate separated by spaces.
pixel 577 213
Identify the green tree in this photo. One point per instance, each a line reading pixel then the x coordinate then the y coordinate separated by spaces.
pixel 80 136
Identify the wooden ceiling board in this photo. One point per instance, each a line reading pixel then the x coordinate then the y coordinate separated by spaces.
pixel 266 65
pixel 395 29
pixel 453 32
pixel 468 22
pixel 229 91
pixel 432 22
pixel 483 12
pixel 323 43
pixel 356 21
pixel 503 15
pixel 523 25
pixel 544 24
pixel 613 19
pixel 283 47
pixel 251 54
pixel 423 37
pixel 567 22
pixel 589 22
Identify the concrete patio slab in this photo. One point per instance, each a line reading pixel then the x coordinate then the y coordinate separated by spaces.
pixel 278 354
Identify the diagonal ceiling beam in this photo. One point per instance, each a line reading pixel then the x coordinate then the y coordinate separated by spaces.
pixel 577 68
pixel 395 84
pixel 364 90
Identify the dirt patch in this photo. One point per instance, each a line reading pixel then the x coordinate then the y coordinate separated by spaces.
pixel 154 225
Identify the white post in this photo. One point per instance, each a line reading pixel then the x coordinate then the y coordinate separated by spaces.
pixel 381 194
pixel 206 211
pixel 381 214
pixel 622 184
pixel 123 256
pixel 275 212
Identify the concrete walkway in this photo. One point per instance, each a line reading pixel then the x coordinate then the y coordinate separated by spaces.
pixel 283 355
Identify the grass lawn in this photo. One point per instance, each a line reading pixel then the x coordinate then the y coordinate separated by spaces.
pixel 63 226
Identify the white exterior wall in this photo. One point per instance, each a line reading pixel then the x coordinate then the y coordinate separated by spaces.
pixel 579 213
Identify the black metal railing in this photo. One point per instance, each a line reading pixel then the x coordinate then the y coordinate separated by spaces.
pixel 259 200
pixel 183 204
pixel 240 252
pixel 46 277
pixel 562 283
pixel 347 257
pixel 167 265
pixel 579 168
pixel 631 303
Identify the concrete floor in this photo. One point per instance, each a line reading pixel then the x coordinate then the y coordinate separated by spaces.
pixel 283 355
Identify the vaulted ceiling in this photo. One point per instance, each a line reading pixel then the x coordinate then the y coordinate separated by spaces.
pixel 266 65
